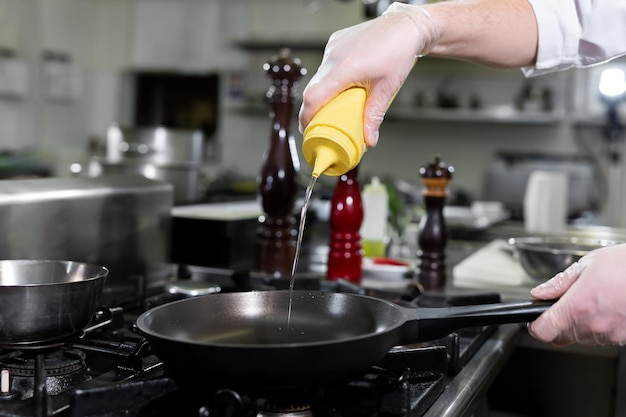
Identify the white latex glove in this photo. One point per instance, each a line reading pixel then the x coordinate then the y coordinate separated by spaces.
pixel 378 55
pixel 592 301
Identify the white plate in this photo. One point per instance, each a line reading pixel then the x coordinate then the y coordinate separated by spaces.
pixel 481 215
pixel 383 271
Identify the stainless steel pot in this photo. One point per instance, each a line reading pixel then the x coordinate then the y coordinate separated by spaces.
pixel 184 177
pixel 542 257
pixel 169 155
pixel 157 145
pixel 45 300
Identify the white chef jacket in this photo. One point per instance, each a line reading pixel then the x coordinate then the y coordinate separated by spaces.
pixel 578 33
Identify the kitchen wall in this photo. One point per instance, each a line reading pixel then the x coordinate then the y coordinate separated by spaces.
pixel 62 104
pixel 65 57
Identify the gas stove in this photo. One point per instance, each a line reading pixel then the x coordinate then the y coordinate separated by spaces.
pixel 109 369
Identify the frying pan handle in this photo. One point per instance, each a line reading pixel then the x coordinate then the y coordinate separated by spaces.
pixel 435 323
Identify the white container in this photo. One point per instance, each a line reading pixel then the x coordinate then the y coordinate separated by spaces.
pixel 545 202
pixel 375 213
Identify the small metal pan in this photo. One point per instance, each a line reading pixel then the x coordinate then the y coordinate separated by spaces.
pixel 45 300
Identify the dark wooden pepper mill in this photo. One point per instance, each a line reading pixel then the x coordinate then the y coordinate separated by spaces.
pixel 277 181
pixel 432 234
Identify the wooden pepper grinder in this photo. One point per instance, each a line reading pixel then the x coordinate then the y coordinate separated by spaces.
pixel 432 235
pixel 346 216
pixel 277 182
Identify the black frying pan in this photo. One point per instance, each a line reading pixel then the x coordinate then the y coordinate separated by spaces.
pixel 243 339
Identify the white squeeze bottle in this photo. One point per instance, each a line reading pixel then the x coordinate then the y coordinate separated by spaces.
pixel 375 212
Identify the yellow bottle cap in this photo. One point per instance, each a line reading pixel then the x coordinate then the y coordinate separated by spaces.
pixel 333 141
pixel 329 150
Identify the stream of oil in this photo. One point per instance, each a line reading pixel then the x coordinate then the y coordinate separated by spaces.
pixel 305 206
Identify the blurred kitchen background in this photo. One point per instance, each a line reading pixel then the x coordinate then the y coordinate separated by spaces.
pixel 86 87
pixel 72 69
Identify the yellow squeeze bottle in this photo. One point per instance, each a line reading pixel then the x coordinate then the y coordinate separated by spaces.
pixel 333 141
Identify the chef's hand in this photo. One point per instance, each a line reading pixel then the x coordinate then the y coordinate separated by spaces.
pixel 592 301
pixel 377 54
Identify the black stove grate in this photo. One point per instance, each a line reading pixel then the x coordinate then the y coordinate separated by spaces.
pixel 126 378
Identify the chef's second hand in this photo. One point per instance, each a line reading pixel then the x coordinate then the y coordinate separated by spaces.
pixel 305 205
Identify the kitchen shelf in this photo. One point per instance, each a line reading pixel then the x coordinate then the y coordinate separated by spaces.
pixel 279 43
pixel 505 114
pixel 500 114
pixel 256 108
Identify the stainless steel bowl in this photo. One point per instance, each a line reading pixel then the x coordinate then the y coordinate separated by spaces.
pixel 544 257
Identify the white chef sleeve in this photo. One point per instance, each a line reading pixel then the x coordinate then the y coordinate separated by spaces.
pixel 578 33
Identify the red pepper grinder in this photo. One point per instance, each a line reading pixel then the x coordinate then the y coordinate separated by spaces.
pixel 432 235
pixel 346 215
pixel 277 182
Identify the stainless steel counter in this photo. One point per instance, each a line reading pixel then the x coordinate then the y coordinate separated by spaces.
pixel 464 394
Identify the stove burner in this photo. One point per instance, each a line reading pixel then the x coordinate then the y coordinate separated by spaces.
pixel 57 363
pixel 284 408
pixel 288 404
pixel 64 368
pixel 296 411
